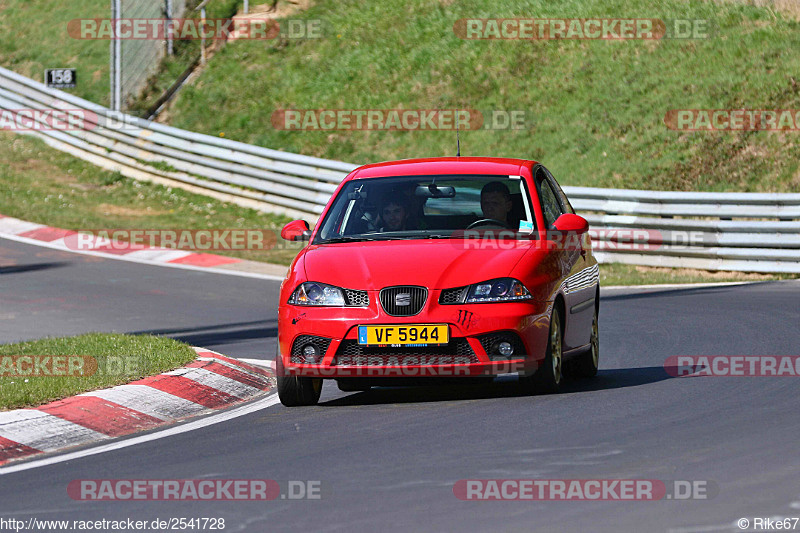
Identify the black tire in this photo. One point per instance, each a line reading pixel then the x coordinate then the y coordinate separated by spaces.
pixel 296 391
pixel 585 365
pixel 548 377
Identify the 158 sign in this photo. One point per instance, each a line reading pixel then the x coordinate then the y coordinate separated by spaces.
pixel 60 78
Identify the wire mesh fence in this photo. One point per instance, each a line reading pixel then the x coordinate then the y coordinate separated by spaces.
pixel 134 61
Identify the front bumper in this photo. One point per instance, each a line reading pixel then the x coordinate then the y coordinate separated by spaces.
pixel 474 329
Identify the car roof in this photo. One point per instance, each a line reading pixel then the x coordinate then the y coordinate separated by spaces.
pixel 443 165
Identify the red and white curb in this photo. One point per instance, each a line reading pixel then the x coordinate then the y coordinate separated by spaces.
pixel 210 382
pixel 54 238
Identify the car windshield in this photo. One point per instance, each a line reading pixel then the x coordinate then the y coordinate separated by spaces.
pixel 427 207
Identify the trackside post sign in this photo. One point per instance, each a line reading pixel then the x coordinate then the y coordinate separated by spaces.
pixel 60 78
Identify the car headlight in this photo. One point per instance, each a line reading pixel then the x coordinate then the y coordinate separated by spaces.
pixel 497 290
pixel 312 293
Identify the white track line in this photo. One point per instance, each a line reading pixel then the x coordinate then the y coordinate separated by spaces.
pixel 235 412
pixel 159 256
pixel 16 226
pixel 682 285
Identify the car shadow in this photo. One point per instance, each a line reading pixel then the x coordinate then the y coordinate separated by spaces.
pixel 502 387
pixel 17 269
pixel 217 334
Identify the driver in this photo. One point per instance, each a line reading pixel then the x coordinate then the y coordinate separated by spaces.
pixel 394 213
pixel 496 202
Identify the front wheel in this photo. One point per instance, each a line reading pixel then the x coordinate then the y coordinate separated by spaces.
pixel 296 391
pixel 547 378
pixel 586 364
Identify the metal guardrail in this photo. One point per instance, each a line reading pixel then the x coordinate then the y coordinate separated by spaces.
pixel 258 177
pixel 753 232
pixel 748 232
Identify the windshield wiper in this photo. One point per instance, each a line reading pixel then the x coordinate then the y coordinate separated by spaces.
pixel 385 237
pixel 347 239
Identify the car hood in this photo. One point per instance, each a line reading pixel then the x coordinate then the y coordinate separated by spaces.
pixel 436 264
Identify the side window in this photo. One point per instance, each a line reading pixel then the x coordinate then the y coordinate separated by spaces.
pixel 561 196
pixel 551 208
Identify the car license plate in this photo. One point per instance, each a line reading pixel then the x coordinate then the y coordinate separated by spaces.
pixel 404 334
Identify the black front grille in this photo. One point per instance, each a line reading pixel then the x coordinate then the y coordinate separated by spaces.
pixel 356 298
pixel 491 340
pixel 404 300
pixel 453 296
pixel 321 343
pixel 457 351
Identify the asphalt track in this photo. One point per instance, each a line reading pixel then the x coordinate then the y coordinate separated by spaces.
pixel 387 459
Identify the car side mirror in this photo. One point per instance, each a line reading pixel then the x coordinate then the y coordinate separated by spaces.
pixel 296 230
pixel 569 223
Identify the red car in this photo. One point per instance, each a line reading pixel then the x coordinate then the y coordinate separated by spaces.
pixel 454 267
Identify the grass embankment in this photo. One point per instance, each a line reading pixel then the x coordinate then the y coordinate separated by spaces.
pixel 597 107
pixel 82 363
pixel 43 185
pixel 34 37
pixel 615 274
pixel 186 54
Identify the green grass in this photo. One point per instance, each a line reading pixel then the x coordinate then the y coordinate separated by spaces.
pixel 615 274
pixel 33 37
pixel 597 107
pixel 109 360
pixel 185 55
pixel 43 185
